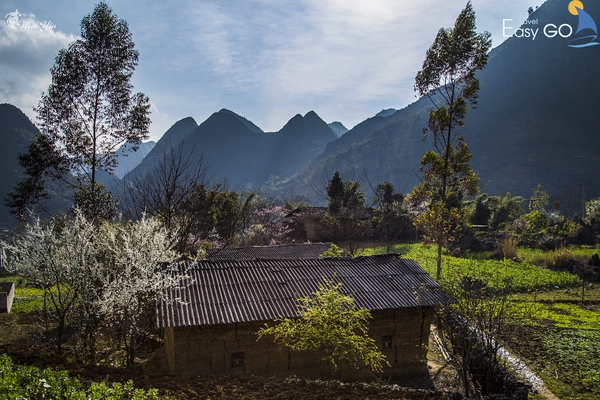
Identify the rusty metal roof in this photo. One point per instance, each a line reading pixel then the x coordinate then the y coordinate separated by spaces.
pixel 280 252
pixel 223 292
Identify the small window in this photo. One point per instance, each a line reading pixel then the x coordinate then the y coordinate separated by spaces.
pixel 386 342
pixel 237 360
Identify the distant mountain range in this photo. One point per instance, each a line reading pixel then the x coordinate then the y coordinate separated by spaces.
pixel 338 128
pixel 128 159
pixel 535 123
pixel 239 152
pixel 16 132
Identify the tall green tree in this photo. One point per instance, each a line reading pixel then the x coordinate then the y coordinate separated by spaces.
pixel 346 215
pixel 539 199
pixel 89 110
pixel 335 192
pixel 390 214
pixel 448 80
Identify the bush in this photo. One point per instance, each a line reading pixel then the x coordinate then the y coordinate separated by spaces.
pixel 561 258
pixel 507 248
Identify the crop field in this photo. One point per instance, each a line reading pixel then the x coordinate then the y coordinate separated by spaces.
pixel 527 277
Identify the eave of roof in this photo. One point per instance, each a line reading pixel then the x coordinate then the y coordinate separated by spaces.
pixel 223 292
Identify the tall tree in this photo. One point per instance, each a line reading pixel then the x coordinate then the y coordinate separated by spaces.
pixel 390 215
pixel 335 192
pixel 448 80
pixel 346 215
pixel 89 109
pixel 539 199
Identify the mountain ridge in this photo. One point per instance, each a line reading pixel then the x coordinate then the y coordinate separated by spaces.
pixel 534 124
pixel 244 155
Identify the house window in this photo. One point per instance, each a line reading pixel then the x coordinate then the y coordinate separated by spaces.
pixel 386 342
pixel 237 360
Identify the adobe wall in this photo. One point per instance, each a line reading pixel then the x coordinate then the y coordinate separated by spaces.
pixel 208 350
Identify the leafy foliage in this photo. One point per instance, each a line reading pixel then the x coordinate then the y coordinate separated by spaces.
pixel 504 209
pixel 390 214
pixel 330 324
pixel 333 251
pixel 448 79
pixel 345 215
pixel 89 110
pixel 539 199
pixel 19 382
pixel 40 162
pixel 574 355
pixel 592 211
pixel 96 202
pixel 177 190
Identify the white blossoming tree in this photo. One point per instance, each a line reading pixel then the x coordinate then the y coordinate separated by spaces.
pixel 136 272
pixel 59 257
pixel 95 275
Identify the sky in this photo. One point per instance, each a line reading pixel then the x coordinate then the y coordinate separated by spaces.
pixel 266 60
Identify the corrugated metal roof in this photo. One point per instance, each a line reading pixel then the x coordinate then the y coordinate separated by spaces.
pixel 223 292
pixel 285 251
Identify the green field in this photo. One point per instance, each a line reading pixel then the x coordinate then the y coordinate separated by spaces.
pixel 560 335
pixel 527 277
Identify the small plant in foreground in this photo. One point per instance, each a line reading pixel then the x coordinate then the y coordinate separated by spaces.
pixel 330 323
pixel 21 381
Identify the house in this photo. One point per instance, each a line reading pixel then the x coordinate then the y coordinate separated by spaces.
pixel 210 321
pixel 278 252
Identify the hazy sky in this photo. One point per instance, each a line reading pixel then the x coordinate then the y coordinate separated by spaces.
pixel 267 60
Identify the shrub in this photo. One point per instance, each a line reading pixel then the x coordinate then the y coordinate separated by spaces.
pixel 507 248
pixel 561 258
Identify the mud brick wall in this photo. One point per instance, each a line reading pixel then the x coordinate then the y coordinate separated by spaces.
pixel 402 335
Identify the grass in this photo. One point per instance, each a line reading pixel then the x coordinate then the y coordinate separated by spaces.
pixel 27 298
pixel 544 257
pixel 568 361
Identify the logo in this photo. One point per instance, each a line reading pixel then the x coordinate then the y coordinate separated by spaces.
pixel 13 21
pixel 585 35
pixel 586 26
